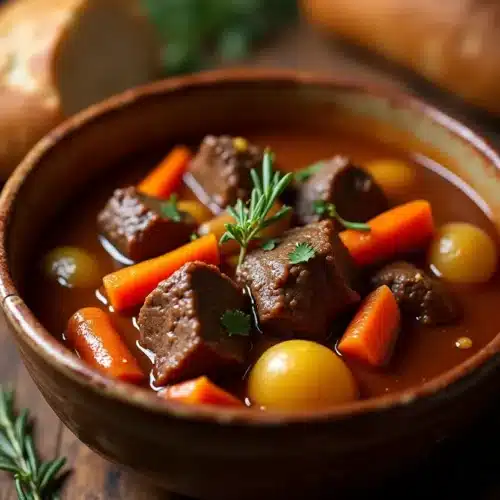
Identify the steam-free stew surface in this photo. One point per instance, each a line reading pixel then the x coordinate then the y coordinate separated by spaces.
pixel 421 353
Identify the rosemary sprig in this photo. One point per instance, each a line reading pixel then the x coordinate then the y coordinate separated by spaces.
pixel 330 210
pixel 34 480
pixel 252 218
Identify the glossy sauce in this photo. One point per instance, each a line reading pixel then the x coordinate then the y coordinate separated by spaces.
pixel 421 352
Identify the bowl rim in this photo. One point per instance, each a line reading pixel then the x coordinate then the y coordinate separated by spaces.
pixel 23 320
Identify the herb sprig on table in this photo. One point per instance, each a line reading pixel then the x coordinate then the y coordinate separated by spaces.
pixel 34 480
pixel 252 218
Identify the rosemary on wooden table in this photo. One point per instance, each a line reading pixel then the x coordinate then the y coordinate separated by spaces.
pixel 33 479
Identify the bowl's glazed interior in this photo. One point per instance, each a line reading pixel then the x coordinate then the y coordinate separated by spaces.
pixel 138 122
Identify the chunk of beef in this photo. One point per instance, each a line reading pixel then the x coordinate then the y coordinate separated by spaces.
pixel 180 322
pixel 222 168
pixel 420 296
pixel 301 300
pixel 350 188
pixel 133 223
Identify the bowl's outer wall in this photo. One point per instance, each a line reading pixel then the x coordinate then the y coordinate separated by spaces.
pixel 224 457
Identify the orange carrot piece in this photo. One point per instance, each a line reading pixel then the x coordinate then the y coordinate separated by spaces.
pixel 200 391
pixel 129 286
pixel 165 179
pixel 399 230
pixel 372 333
pixel 92 335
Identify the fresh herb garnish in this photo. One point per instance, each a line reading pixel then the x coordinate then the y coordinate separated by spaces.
pixel 34 480
pixel 194 236
pixel 236 322
pixel 303 252
pixel 305 173
pixel 169 209
pixel 270 244
pixel 325 208
pixel 252 219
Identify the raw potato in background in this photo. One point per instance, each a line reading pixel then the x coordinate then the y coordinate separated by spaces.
pixel 453 43
pixel 59 56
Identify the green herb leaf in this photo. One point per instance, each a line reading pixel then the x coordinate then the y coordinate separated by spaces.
pixel 169 209
pixel 304 174
pixel 303 252
pixel 270 244
pixel 194 236
pixel 327 209
pixel 252 218
pixel 236 322
pixel 33 479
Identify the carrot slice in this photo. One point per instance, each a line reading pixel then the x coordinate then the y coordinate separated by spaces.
pixel 165 179
pixel 96 341
pixel 129 286
pixel 200 391
pixel 371 335
pixel 399 230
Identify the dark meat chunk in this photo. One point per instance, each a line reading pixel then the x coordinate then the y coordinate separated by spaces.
pixel 423 298
pixel 133 223
pixel 222 168
pixel 180 322
pixel 301 300
pixel 351 189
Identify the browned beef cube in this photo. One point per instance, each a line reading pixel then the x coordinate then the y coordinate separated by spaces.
pixel 351 189
pixel 222 168
pixel 180 322
pixel 301 300
pixel 419 296
pixel 135 225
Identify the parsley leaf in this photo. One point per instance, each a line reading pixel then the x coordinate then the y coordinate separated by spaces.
pixel 303 252
pixel 327 209
pixel 270 244
pixel 304 174
pixel 236 322
pixel 169 209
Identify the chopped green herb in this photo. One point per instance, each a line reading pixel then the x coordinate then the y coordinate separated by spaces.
pixel 169 209
pixel 305 173
pixel 270 244
pixel 252 218
pixel 303 252
pixel 236 322
pixel 329 210
pixel 193 236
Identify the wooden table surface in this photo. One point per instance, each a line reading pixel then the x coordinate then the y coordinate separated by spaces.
pixel 464 468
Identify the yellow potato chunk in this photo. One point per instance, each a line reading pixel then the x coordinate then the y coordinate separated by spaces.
pixel 300 375
pixel 72 267
pixel 463 253
pixel 395 177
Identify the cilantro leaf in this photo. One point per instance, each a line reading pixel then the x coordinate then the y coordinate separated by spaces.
pixel 169 209
pixel 303 252
pixel 270 244
pixel 304 174
pixel 236 322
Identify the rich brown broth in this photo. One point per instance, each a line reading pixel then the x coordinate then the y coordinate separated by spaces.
pixel 421 353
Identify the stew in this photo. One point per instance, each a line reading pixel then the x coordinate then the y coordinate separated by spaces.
pixel 274 271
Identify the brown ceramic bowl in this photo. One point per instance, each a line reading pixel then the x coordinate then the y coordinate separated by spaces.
pixel 208 452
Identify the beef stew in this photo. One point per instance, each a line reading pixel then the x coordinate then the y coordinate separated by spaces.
pixel 308 283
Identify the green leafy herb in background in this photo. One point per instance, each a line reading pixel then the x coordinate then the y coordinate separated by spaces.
pixel 236 322
pixel 270 244
pixel 199 34
pixel 305 173
pixel 34 480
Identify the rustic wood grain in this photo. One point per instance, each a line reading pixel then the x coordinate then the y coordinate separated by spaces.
pixel 448 475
